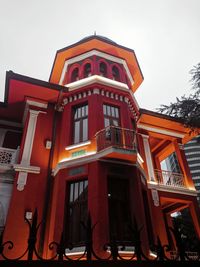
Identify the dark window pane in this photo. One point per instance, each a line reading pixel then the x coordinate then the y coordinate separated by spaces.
pixel 104 109
pixel 115 73
pixel 103 69
pixel 87 70
pixel 77 213
pixel 85 129
pixel 12 139
pixel 119 209
pixel 71 193
pixel 74 76
pixel 76 191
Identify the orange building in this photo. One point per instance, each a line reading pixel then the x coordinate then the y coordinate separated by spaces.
pixel 80 143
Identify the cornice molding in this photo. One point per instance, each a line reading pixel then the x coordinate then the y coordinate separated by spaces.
pixel 160 130
pixel 176 190
pixel 88 158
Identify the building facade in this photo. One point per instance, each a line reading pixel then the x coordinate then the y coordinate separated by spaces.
pixel 79 144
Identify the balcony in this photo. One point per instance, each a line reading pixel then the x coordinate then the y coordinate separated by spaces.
pixel 170 179
pixel 8 156
pixel 116 142
pixel 170 182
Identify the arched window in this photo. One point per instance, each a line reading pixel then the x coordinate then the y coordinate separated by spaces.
pixel 103 69
pixel 75 75
pixel 87 70
pixel 115 73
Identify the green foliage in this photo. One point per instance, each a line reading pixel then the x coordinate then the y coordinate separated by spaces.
pixel 187 109
pixel 195 72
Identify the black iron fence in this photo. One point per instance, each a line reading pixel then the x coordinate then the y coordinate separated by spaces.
pixel 113 250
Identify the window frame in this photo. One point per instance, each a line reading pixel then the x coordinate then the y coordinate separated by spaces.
pixel 113 109
pixel 71 224
pixel 81 119
pixel 118 76
pixel 107 68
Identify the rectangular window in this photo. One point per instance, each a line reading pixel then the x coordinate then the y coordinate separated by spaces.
pixel 119 209
pixel 77 212
pixel 113 135
pixel 111 115
pixel 80 124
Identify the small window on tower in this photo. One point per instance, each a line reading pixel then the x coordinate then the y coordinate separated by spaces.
pixel 87 70
pixel 75 75
pixel 115 73
pixel 103 69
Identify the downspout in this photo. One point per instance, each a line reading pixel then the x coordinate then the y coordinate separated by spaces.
pixel 49 183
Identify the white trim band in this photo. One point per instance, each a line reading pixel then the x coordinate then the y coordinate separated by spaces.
pixel 78 145
pixel 97 79
pixel 159 130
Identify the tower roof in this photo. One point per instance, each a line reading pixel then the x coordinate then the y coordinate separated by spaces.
pixel 104 38
pixel 99 43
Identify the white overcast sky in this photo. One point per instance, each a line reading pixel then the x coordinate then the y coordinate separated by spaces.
pixel 165 35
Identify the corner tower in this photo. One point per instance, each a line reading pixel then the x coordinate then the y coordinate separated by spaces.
pixel 96 149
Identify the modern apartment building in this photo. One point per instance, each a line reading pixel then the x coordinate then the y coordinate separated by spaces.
pixel 192 152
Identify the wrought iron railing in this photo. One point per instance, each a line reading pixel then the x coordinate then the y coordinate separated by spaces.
pixel 113 250
pixel 8 155
pixel 168 178
pixel 113 136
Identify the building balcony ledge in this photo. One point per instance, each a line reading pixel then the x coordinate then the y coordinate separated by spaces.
pixel 111 143
pixel 170 182
pixel 99 80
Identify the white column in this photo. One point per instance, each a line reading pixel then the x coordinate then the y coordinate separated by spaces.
pixel 28 145
pixel 148 157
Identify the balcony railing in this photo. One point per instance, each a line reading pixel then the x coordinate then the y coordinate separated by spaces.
pixel 8 156
pixel 168 178
pixel 112 136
